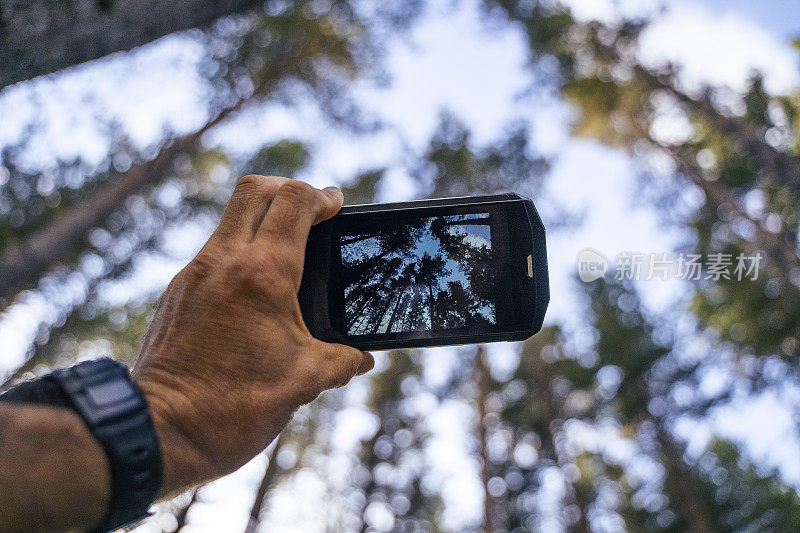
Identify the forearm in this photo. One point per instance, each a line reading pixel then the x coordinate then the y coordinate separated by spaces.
pixel 53 473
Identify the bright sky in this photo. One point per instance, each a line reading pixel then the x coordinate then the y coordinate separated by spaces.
pixel 451 62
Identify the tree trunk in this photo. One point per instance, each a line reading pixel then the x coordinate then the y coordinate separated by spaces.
pixel 482 382
pixel 396 307
pixel 679 485
pixel 369 295
pixel 266 484
pixel 26 261
pixel 430 297
pixel 41 36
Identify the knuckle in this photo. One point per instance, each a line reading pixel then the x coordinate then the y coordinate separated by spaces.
pixel 251 182
pixel 297 192
pixel 256 187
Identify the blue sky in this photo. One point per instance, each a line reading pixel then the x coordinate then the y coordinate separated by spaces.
pixel 779 16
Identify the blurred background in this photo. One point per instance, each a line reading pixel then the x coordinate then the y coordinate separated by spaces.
pixel 636 126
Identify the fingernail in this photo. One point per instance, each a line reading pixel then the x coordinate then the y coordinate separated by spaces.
pixel 337 190
pixel 367 363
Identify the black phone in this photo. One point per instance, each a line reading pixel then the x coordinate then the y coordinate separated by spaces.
pixel 427 273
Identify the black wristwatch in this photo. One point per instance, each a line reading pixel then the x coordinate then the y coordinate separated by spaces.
pixel 116 413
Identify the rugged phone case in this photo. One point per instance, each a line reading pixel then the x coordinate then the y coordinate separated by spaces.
pixel 313 289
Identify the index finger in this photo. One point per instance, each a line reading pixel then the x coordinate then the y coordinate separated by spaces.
pixel 294 209
pixel 247 207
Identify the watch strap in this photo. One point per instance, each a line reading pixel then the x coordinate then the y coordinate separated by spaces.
pixel 115 410
pixel 38 392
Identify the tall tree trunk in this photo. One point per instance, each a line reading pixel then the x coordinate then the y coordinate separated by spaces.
pixel 679 485
pixel 41 36
pixel 387 304
pixel 482 381
pixel 266 484
pixel 396 307
pixel 430 299
pixel 364 269
pixel 369 296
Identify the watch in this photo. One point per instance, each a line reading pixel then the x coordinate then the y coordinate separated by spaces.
pixel 115 411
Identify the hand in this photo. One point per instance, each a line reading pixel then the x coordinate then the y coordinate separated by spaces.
pixel 227 358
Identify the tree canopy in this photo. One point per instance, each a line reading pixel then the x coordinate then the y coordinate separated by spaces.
pixel 577 430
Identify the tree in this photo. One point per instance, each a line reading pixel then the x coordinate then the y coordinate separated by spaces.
pixel 40 37
pixel 547 431
pixel 730 157
pixel 397 445
pixel 429 272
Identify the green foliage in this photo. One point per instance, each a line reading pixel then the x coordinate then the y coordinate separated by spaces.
pixel 734 159
pixel 452 166
pixel 284 158
pixel 743 497
pixel 363 188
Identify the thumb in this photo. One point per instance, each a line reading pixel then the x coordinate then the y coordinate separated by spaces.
pixel 342 363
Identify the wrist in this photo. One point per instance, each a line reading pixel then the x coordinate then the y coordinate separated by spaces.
pixel 184 465
pixel 117 415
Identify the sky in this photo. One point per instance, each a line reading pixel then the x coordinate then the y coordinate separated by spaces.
pixel 450 61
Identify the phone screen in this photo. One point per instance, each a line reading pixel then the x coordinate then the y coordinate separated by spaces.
pixel 429 274
pixel 410 275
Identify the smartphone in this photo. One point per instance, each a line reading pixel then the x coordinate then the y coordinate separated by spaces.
pixel 427 273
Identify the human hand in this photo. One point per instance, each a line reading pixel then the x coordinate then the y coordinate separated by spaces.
pixel 227 358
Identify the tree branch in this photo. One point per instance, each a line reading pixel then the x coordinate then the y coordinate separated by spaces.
pixel 784 166
pixel 25 261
